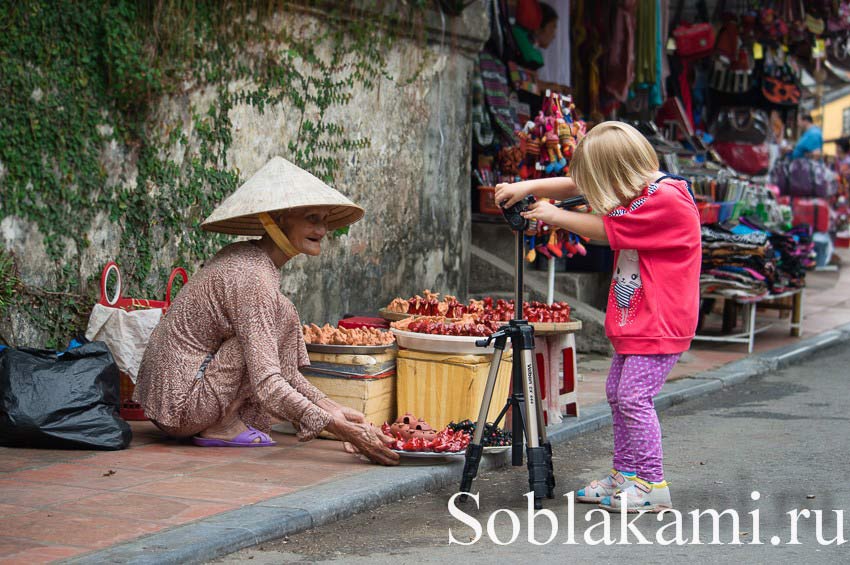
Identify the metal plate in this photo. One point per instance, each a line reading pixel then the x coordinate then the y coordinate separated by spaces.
pixel 493 450
pixel 430 454
pixel 348 349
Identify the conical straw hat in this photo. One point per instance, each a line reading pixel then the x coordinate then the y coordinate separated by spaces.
pixel 279 185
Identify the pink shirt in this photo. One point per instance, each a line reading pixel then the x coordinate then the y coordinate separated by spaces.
pixel 653 302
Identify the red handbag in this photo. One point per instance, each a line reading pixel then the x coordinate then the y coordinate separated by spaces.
pixel 744 157
pixel 694 40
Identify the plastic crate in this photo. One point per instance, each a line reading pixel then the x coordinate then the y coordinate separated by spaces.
pixel 708 212
pixel 727 211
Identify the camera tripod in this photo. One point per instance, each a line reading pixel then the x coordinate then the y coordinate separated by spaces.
pixel 527 424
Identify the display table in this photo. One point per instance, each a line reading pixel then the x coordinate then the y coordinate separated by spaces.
pixel 750 305
pixel 442 386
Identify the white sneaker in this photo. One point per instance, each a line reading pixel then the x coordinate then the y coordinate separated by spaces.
pixel 597 490
pixel 641 496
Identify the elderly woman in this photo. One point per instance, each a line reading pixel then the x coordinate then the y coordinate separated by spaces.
pixel 227 354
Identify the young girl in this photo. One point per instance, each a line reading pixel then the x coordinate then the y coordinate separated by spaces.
pixel 651 221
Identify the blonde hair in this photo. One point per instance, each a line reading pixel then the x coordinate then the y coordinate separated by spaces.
pixel 612 164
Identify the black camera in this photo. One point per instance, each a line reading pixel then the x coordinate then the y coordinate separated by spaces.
pixel 512 214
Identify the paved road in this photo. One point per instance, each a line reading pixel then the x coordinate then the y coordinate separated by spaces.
pixel 786 435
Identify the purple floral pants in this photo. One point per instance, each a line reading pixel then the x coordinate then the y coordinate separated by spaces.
pixel 632 383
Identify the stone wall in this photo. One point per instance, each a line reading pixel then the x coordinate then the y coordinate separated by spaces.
pixel 413 181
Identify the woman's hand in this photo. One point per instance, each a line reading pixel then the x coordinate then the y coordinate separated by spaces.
pixel 364 439
pixel 509 194
pixel 337 410
pixel 545 211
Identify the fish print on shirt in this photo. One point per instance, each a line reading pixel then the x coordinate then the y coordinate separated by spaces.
pixel 626 285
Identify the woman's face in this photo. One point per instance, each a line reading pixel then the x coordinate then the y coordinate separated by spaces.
pixel 305 228
pixel 546 34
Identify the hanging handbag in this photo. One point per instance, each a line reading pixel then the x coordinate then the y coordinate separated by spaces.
pixel 806 177
pixel 693 40
pixel 742 125
pixel 779 83
pixel 746 158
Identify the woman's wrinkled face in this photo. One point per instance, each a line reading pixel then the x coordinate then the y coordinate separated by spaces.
pixel 305 228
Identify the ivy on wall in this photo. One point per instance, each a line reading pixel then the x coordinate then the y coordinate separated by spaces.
pixel 81 75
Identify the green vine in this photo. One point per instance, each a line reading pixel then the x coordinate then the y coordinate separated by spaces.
pixel 81 76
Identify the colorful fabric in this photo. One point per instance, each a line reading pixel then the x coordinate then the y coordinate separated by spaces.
pixel 633 381
pixel 233 310
pixel 530 56
pixel 653 300
pixel 494 76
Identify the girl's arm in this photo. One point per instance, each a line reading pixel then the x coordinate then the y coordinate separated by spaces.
pixel 586 225
pixel 559 188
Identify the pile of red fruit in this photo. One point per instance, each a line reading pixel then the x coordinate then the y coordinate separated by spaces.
pixel 438 325
pixel 484 317
pixel 414 434
pixel 503 310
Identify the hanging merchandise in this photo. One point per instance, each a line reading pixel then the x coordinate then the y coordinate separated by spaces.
pixel 840 19
pixel 620 60
pixel 501 40
pixel 740 138
pixel 482 126
pixel 494 77
pixel 745 125
pixel 779 82
pixel 793 12
pixel 838 53
pixel 693 40
pixel 805 177
pixel 553 242
pixel 529 14
pixel 771 26
pixel 733 64
pixel 745 158
pixel 549 141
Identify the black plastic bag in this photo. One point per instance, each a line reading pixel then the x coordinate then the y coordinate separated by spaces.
pixel 65 400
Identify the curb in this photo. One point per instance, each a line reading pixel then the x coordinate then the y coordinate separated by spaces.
pixel 288 514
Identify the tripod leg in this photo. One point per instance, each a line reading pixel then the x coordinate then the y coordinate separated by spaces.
pixel 538 467
pixel 544 441
pixel 475 449
pixel 517 402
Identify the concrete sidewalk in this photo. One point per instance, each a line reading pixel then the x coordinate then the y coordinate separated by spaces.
pixel 161 501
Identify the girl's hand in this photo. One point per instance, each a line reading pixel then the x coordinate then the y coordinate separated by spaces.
pixel 544 211
pixel 509 194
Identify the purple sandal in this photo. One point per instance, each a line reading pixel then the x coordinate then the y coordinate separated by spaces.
pixel 245 439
